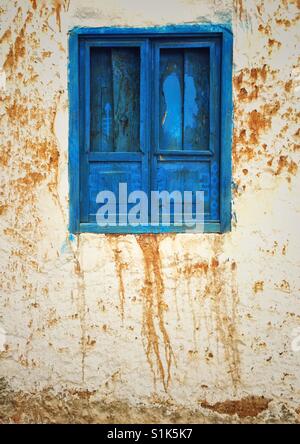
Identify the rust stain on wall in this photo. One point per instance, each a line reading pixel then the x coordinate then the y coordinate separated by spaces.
pixel 257 122
pixel 274 42
pixel 57 7
pixel 33 4
pixel 81 304
pixel 253 87
pixel 31 155
pixel 225 309
pixel 120 268
pixel 3 209
pixel 250 85
pixel 17 50
pixel 258 286
pixel 251 406
pixel 31 126
pixel 54 7
pixel 154 307
pixel 6 36
pixel 210 284
pixel 186 271
pixel 239 8
pixel 284 163
pixel 22 116
pixel 249 81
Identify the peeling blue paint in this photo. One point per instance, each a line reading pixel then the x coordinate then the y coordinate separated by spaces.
pixel 65 248
pixel 167 29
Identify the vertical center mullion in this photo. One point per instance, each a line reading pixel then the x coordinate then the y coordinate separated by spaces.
pixel 149 64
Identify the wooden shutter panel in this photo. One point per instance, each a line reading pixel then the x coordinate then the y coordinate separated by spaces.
pixel 186 154
pixel 115 149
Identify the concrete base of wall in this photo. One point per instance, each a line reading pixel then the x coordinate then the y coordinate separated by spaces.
pixel 84 407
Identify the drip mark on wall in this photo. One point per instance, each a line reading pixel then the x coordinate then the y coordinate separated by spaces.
pixel 154 307
pixel 120 267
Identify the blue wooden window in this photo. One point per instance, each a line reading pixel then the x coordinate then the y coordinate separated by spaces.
pixel 151 108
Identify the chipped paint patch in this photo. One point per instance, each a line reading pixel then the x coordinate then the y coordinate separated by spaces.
pixel 258 286
pixel 251 406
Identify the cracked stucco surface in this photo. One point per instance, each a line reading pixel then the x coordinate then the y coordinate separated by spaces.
pixel 150 328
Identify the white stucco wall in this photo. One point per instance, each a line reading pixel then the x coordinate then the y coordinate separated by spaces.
pixel 149 328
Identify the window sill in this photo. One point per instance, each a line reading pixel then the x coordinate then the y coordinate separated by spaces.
pixel 210 227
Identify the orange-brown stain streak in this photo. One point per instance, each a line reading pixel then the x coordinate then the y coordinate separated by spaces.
pixel 154 308
pixel 18 49
pixel 239 8
pixel 223 303
pixel 33 4
pixel 195 269
pixel 6 36
pixel 249 85
pixel 57 7
pixel 225 309
pixel 120 267
pixel 288 86
pixel 257 122
pixel 258 286
pixel 284 163
pixel 273 42
pixel 24 117
pixel 284 22
pixel 3 209
pixel 81 304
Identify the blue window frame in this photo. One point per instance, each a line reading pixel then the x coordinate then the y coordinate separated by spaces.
pixel 151 108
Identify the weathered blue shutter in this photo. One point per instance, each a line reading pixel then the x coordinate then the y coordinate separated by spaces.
pixel 115 148
pixel 151 108
pixel 186 154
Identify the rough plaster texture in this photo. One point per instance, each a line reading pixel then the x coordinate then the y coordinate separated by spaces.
pixel 173 328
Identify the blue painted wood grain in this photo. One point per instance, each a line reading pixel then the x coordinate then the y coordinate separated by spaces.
pixel 184 176
pixel 101 101
pixel 196 99
pixel 126 96
pixel 107 176
pixel 113 85
pixel 115 99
